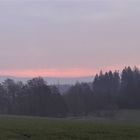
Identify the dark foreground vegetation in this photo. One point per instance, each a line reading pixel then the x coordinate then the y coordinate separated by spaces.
pixel 110 91
pixel 28 128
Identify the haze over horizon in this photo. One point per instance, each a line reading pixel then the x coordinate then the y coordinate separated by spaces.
pixel 68 38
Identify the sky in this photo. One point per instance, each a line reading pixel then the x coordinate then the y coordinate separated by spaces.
pixel 68 38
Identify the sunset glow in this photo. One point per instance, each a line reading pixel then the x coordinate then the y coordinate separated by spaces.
pixel 75 72
pixel 50 73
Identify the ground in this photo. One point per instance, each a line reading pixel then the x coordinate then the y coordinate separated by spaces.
pixel 35 128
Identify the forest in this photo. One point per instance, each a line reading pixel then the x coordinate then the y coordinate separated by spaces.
pixel 109 91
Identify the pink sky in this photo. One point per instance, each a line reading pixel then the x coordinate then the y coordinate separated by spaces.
pixel 76 72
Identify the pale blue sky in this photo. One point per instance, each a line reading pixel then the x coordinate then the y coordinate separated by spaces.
pixel 69 34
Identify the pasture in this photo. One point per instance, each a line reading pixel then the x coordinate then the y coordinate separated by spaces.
pixel 35 128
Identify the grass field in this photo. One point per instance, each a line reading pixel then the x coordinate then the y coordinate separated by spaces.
pixel 29 128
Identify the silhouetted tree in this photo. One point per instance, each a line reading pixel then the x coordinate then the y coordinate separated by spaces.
pixel 79 99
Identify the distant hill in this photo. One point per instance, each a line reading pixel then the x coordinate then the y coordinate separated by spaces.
pixel 53 80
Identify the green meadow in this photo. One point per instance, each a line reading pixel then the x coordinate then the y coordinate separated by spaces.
pixel 35 128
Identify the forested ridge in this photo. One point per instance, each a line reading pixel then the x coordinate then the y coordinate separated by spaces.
pixel 108 91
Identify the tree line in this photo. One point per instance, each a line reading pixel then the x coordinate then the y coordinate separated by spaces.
pixel 34 98
pixel 109 91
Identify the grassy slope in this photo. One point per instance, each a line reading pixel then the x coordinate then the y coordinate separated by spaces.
pixel 27 128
